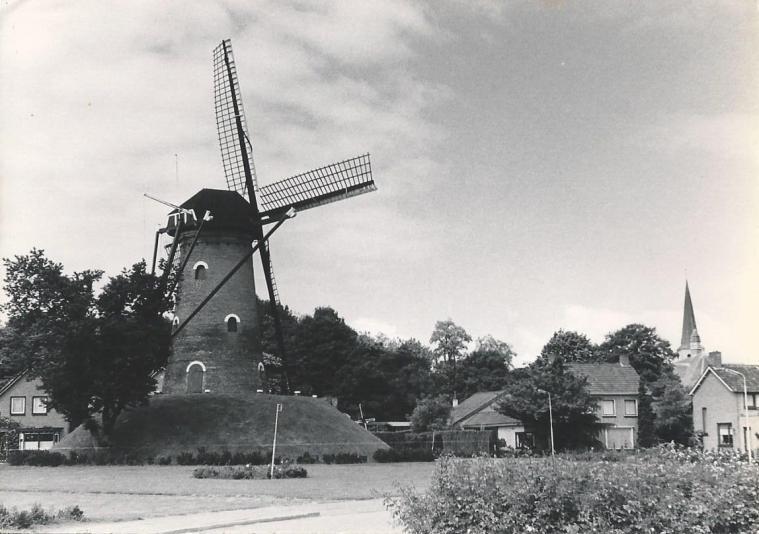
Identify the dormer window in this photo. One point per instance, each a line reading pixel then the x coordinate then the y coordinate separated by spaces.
pixel 233 321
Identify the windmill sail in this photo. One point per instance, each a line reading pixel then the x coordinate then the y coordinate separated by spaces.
pixel 226 89
pixel 316 187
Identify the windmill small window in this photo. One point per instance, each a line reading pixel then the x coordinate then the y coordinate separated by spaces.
pixel 232 321
pixel 200 268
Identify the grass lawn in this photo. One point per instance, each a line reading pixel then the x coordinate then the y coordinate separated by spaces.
pixel 127 492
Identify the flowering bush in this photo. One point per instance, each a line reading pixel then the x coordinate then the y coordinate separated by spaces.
pixel 665 491
pixel 249 472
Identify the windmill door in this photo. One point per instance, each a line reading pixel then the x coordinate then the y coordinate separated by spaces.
pixel 195 379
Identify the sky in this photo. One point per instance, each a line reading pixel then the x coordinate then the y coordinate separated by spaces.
pixel 540 165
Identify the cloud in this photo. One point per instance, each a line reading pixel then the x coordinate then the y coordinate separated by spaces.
pixel 374 327
pixel 726 135
pixel 97 99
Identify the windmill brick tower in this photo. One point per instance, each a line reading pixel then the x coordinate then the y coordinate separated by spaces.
pixel 216 345
pixel 221 352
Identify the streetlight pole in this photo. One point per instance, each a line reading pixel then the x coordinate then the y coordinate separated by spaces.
pixel 745 411
pixel 550 419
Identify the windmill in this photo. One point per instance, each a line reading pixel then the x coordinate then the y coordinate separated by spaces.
pixel 219 224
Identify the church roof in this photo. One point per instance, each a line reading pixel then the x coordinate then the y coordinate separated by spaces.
pixel 689 320
pixel 607 378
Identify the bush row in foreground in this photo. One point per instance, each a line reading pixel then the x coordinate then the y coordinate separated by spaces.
pixel 662 491
pixel 17 519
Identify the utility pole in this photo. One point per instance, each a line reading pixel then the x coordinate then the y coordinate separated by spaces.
pixel 274 444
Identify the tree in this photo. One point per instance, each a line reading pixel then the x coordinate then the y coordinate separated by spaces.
pixel 571 347
pixel 384 380
pixel 673 410
pixel 646 416
pixel 449 342
pixel 483 370
pixel 650 355
pixel 94 355
pixel 431 413
pixel 321 346
pixel 525 399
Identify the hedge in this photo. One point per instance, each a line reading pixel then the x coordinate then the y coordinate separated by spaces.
pixel 665 491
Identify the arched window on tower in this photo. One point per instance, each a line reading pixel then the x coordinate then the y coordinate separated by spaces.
pixel 200 269
pixel 232 324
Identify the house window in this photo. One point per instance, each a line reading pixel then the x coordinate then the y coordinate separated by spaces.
pixel 725 434
pixel 703 419
pixel 39 405
pixel 525 440
pixel 631 407
pixel 18 405
pixel 607 408
pixel 752 401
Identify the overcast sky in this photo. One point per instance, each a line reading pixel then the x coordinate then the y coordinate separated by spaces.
pixel 540 165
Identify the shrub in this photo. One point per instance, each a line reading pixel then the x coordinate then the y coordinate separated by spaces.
pixel 344 458
pixel 663 491
pixel 186 458
pixel 306 458
pixel 36 458
pixel 249 472
pixel 404 454
pixel 23 519
pixel 164 460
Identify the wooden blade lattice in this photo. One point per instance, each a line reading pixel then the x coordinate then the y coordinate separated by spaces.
pixel 226 125
pixel 319 186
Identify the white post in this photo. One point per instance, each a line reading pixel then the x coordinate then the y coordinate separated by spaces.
pixel 274 444
pixel 550 417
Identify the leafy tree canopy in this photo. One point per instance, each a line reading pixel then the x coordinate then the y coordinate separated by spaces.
pixel 431 413
pixel 449 341
pixel 94 355
pixel 526 399
pixel 650 355
pixel 571 347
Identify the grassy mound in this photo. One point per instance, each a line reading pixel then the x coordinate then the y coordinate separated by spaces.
pixel 169 425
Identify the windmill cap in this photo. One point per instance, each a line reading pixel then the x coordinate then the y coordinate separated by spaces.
pixel 223 211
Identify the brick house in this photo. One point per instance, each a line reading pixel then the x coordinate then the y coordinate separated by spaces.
pixel 718 407
pixel 614 386
pixel 22 400
pixel 479 412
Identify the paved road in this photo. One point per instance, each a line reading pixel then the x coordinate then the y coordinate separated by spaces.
pixel 360 517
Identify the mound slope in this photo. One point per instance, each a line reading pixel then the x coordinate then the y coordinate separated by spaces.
pixel 169 425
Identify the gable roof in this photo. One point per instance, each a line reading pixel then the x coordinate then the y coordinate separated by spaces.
pixel 607 378
pixel 473 404
pixel 489 419
pixel 8 382
pixel 732 381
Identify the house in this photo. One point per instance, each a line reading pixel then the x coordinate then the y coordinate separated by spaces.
pixel 479 412
pixel 614 386
pixel 719 412
pixel 23 400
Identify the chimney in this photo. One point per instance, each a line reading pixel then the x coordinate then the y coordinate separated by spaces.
pixel 715 358
pixel 624 360
pixel 455 402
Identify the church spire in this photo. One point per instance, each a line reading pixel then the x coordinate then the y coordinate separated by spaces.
pixel 689 326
